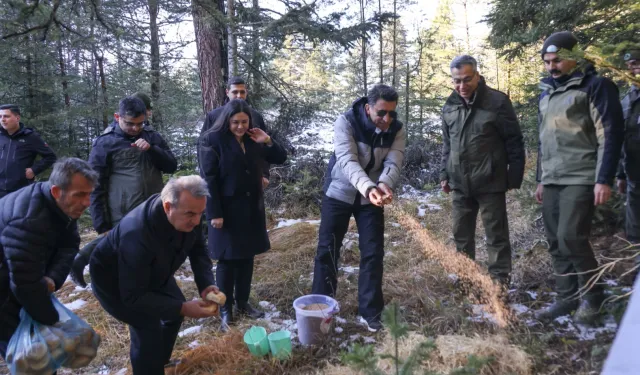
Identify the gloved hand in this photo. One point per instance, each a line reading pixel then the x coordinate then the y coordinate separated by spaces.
pixel 82 259
pixel 77 270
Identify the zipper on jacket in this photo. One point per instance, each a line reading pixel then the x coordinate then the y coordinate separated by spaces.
pixel 6 165
pixel 372 161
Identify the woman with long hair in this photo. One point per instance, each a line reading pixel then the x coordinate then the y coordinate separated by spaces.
pixel 231 155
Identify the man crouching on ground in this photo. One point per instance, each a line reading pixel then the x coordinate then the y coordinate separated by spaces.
pixel 132 270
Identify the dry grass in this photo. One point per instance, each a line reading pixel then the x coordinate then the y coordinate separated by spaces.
pixel 474 279
pixel 452 352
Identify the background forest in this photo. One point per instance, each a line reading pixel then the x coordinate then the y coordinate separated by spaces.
pixel 67 63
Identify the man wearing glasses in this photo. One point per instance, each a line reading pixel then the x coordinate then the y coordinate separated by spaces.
pixel 483 157
pixel 369 145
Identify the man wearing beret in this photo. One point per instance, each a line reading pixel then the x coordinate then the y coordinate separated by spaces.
pixel 629 173
pixel 581 132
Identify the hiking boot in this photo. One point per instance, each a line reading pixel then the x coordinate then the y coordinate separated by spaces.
pixel 248 310
pixel 226 318
pixel 373 324
pixel 558 309
pixel 589 311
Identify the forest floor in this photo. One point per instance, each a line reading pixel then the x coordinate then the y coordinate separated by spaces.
pixel 434 302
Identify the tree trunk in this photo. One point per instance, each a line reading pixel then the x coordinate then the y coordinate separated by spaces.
pixel 381 41
pixel 364 50
pixel 406 99
pixel 103 85
pixel 256 59
pixel 63 75
pixel 155 63
pixel 466 25
pixel 232 40
pixel 394 70
pixel 209 47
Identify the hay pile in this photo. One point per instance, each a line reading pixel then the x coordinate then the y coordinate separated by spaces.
pixel 452 352
pixel 225 355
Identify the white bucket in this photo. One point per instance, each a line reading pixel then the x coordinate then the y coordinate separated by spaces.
pixel 314 325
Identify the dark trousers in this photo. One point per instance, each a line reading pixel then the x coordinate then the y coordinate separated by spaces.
pixel 152 339
pixel 493 211
pixel 233 278
pixel 334 223
pixel 632 212
pixel 567 211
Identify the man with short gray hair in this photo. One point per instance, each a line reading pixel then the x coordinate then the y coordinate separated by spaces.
pixel 483 157
pixel 38 240
pixel 132 270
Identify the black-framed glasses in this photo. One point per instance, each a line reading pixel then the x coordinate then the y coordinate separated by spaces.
pixel 382 113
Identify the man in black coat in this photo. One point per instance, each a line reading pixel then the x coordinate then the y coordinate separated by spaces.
pixel 38 240
pixel 237 89
pixel 132 270
pixel 130 158
pixel 19 147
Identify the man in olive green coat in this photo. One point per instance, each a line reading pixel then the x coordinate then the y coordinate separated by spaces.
pixel 581 132
pixel 483 157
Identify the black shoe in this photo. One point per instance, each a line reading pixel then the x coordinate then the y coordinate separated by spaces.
pixel 226 318
pixel 248 310
pixel 77 270
pixel 373 324
pixel 558 309
pixel 589 311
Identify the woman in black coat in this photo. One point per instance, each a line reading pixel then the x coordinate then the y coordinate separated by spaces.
pixel 231 156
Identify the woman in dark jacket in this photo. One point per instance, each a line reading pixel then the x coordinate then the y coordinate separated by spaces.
pixel 231 155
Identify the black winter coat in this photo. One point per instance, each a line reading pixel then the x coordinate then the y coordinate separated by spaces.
pixel 37 239
pixel 17 153
pixel 127 175
pixel 235 184
pixel 140 255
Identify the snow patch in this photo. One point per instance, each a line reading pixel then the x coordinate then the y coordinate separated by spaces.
pixel 338 329
pixel 395 225
pixel 519 308
pixel 122 371
pixel 282 223
pixel 480 315
pixel 532 294
pixel 75 305
pixel 340 320
pixel 369 340
pixel 586 333
pixel 194 344
pixel 611 282
pixel 350 269
pixel 190 331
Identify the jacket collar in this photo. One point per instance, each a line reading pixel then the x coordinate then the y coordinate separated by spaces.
pixel 23 130
pixel 456 100
pixel 45 188
pixel 575 79
pixel 362 120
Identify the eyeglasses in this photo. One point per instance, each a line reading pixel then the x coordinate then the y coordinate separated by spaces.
pixel 382 113
pixel 466 80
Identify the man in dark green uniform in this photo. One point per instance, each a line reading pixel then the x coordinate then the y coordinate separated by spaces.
pixel 629 174
pixel 483 157
pixel 581 134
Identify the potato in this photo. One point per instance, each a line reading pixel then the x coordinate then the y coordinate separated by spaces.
pixel 86 335
pixel 219 298
pixel 57 331
pixel 58 354
pixel 41 363
pixel 78 362
pixel 86 351
pixel 70 343
pixel 212 309
pixel 37 351
pixel 21 363
pixel 53 342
